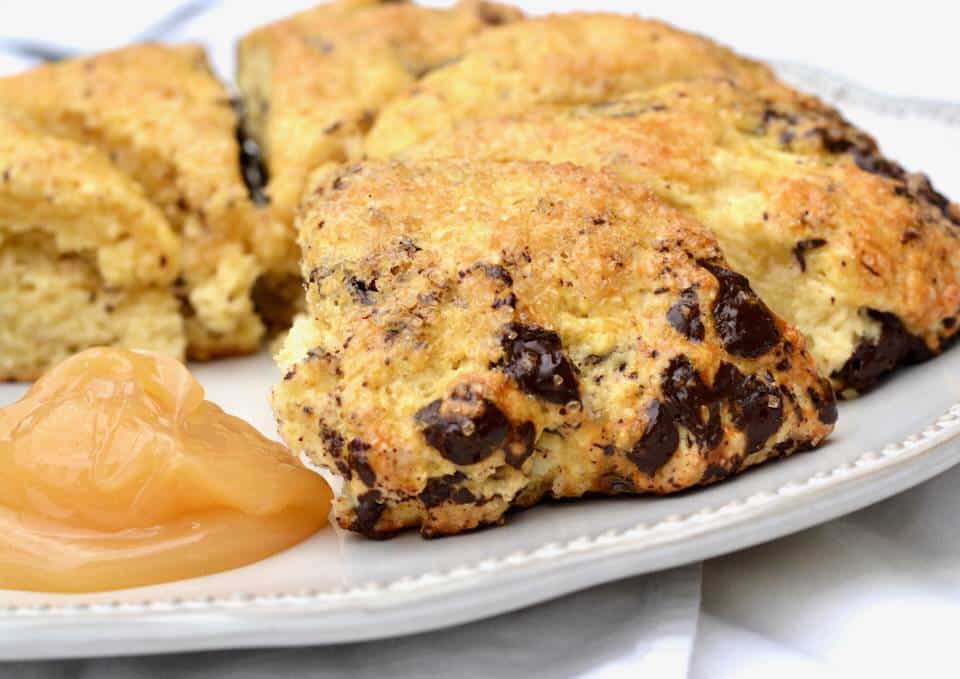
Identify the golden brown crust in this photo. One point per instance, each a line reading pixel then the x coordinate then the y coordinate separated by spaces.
pixel 858 254
pixel 163 119
pixel 555 60
pixel 313 83
pixel 480 335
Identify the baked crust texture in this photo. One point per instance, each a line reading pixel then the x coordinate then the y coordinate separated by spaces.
pixel 482 335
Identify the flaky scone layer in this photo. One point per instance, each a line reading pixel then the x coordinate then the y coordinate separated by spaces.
pixel 856 252
pixel 480 335
pixel 162 118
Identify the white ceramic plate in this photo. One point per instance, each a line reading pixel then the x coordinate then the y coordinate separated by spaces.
pixel 337 587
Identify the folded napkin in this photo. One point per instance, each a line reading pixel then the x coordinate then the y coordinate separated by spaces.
pixel 874 594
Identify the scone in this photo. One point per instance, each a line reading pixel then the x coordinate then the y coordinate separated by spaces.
pixel 162 118
pixel 85 258
pixel 312 84
pixel 857 253
pixel 555 60
pixel 482 335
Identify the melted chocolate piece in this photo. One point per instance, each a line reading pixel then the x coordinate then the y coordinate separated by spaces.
pixel 535 359
pixel 465 429
pixel 871 360
pixel 331 439
pixel 803 246
pixel 756 408
pixel 252 168
pixel 684 315
pixel 826 407
pixel 357 457
pixel 439 490
pixel 369 510
pixel 745 325
pixel 926 192
pixel 659 441
pixel 690 402
pixel 870 160
pixel 714 472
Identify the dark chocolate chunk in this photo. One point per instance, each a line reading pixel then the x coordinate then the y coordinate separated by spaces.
pixel 926 192
pixel 252 168
pixel 869 160
pixel 534 358
pixel 691 402
pixel 684 315
pixel 714 472
pixel 872 359
pixel 331 439
pixel 659 440
pixel 756 408
pixel 439 490
pixel 464 428
pixel 744 323
pixel 357 456
pixel 369 510
pixel 826 407
pixel 803 246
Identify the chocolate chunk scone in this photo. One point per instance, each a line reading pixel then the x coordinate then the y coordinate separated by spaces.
pixel 481 335
pixel 161 117
pixel 553 61
pixel 312 84
pixel 856 252
pixel 85 258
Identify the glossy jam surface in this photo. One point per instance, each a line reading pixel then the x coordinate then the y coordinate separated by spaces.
pixel 115 472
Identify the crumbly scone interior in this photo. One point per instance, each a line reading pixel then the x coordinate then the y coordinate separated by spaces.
pixel 480 335
pixel 840 241
pixel 85 259
pixel 162 118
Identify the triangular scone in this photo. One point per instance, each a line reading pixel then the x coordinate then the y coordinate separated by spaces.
pixel 162 117
pixel 555 60
pixel 85 258
pixel 312 84
pixel 481 335
pixel 858 254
